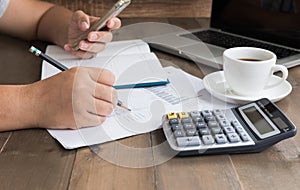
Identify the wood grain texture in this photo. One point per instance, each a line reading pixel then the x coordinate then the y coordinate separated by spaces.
pixel 143 8
pixel 111 165
pixel 32 159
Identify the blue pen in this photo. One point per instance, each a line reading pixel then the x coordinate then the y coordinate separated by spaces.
pixel 60 66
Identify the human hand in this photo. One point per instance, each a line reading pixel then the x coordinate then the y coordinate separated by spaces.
pixel 96 40
pixel 76 98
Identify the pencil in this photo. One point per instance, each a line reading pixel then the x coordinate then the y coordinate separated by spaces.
pixel 45 57
pixel 61 67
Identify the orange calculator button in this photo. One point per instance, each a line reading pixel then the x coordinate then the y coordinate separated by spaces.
pixel 183 115
pixel 172 115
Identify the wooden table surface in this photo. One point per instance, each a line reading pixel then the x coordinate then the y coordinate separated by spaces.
pixel 32 159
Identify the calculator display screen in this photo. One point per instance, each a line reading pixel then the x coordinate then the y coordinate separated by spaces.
pixel 258 120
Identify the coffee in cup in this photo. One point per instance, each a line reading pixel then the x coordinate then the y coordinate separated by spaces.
pixel 248 70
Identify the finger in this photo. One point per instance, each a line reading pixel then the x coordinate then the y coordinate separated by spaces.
pixel 114 23
pixel 93 19
pixel 102 108
pixel 100 36
pixel 80 53
pixel 82 20
pixel 90 120
pixel 94 47
pixel 105 93
pixel 102 76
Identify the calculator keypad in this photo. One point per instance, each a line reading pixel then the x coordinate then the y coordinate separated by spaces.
pixel 205 129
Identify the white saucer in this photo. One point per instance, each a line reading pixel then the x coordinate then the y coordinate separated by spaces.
pixel 216 85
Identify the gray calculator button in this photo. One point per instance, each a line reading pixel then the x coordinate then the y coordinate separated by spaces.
pixel 221 138
pixel 204 131
pixel 229 130
pixel 220 117
pixel 217 112
pixel 233 137
pixel 208 139
pixel 179 133
pixel 198 119
pixel 191 132
pixel 200 125
pixel 186 120
pixel 212 124
pixel 195 114
pixel 188 141
pixel 206 113
pixel 209 118
pixel 239 129
pixel 244 136
pixel 235 123
pixel 188 126
pixel 173 121
pixel 217 130
pixel 225 123
pixel 176 127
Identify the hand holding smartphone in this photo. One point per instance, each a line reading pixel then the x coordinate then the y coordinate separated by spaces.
pixel 101 23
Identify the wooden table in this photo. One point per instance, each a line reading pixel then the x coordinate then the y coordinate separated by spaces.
pixel 32 159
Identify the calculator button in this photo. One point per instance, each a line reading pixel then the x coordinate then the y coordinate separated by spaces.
pixel 235 123
pixel 208 139
pixel 217 112
pixel 220 117
pixel 198 119
pixel 188 141
pixel 183 115
pixel 244 136
pixel 204 131
pixel 191 132
pixel 239 129
pixel 186 120
pixel 209 118
pixel 176 127
pixel 224 123
pixel 233 137
pixel 173 121
pixel 221 138
pixel 206 113
pixel 216 130
pixel 179 133
pixel 212 124
pixel 200 125
pixel 188 126
pixel 172 115
pixel 195 114
pixel 229 130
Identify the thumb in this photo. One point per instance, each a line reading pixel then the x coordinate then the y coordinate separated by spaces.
pixel 82 20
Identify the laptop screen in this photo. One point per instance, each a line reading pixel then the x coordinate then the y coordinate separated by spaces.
pixel 276 21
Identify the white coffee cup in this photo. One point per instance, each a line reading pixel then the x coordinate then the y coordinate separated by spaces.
pixel 248 70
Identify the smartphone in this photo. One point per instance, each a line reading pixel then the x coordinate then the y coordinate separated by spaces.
pixel 101 23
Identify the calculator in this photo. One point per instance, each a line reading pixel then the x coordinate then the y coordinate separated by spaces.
pixel 248 128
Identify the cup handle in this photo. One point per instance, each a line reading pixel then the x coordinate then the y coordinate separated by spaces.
pixel 284 76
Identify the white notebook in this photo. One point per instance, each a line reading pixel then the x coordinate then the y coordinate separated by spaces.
pixel 131 61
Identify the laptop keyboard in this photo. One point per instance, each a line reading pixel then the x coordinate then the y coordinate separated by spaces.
pixel 229 41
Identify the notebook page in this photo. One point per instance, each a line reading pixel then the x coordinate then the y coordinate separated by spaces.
pixel 130 61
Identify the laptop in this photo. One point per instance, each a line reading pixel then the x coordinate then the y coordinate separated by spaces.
pixel 268 24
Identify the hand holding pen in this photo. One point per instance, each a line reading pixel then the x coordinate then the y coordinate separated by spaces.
pixel 62 67
pixel 78 97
